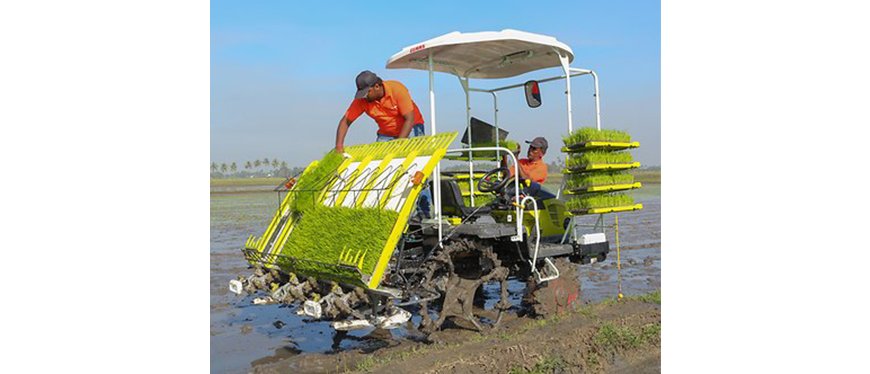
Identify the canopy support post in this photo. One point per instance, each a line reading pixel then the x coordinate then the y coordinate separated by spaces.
pixel 597 98
pixel 436 185
pixel 497 132
pixel 567 68
pixel 464 83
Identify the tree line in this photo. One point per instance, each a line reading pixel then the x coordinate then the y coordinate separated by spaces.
pixel 255 168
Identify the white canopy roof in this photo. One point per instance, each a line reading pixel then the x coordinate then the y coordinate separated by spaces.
pixel 488 54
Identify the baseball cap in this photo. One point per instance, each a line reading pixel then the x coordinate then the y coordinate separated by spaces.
pixel 539 142
pixel 364 81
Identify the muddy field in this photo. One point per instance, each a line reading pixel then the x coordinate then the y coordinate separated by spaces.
pixel 605 337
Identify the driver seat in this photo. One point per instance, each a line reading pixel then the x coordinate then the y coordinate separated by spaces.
pixel 453 204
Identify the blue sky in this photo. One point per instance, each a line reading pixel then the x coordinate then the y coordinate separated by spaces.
pixel 282 73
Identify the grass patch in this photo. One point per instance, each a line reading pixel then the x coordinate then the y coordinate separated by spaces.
pixel 611 337
pixel 588 134
pixel 314 180
pixel 593 361
pixel 599 201
pixel 369 363
pixel 323 233
pixel 546 365
pixel 587 311
pixel 654 297
pixel 651 333
pixel 598 179
pixel 598 157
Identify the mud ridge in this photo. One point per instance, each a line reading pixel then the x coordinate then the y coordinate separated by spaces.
pixel 601 338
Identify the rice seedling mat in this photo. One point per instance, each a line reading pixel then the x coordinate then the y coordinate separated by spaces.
pixel 589 134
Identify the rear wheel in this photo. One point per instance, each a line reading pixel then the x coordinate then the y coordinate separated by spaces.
pixel 458 272
pixel 557 296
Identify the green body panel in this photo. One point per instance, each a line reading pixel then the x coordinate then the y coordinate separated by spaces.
pixel 551 215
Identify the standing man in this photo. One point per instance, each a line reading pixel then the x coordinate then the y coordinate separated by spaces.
pixel 386 102
pixel 397 116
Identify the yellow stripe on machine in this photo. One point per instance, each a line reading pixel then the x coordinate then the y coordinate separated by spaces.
pixel 607 188
pixel 598 167
pixel 402 221
pixel 599 145
pixel 626 208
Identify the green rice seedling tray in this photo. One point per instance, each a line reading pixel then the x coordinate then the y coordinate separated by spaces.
pixel 578 181
pixel 598 157
pixel 597 201
pixel 590 134
pixel 604 188
pixel 601 203
pixel 600 167
pixel 599 146
pixel 343 218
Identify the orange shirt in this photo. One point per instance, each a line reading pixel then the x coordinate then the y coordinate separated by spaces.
pixel 536 170
pixel 388 111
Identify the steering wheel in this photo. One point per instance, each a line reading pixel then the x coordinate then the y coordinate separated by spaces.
pixel 492 181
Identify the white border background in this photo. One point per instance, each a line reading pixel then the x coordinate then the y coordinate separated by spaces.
pixel 105 117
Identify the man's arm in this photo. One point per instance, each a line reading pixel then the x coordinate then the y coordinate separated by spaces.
pixel 409 123
pixel 340 133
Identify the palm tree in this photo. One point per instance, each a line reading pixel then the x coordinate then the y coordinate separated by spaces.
pixel 266 162
pixel 275 163
pixel 257 164
pixel 233 167
pixel 247 164
pixel 224 168
pixel 284 164
pixel 214 167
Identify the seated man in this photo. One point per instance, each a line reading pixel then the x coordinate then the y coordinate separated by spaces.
pixel 533 170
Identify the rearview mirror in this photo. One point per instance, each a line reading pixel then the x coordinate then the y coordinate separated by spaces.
pixel 533 94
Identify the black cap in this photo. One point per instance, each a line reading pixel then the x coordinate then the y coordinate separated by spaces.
pixel 364 81
pixel 539 142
